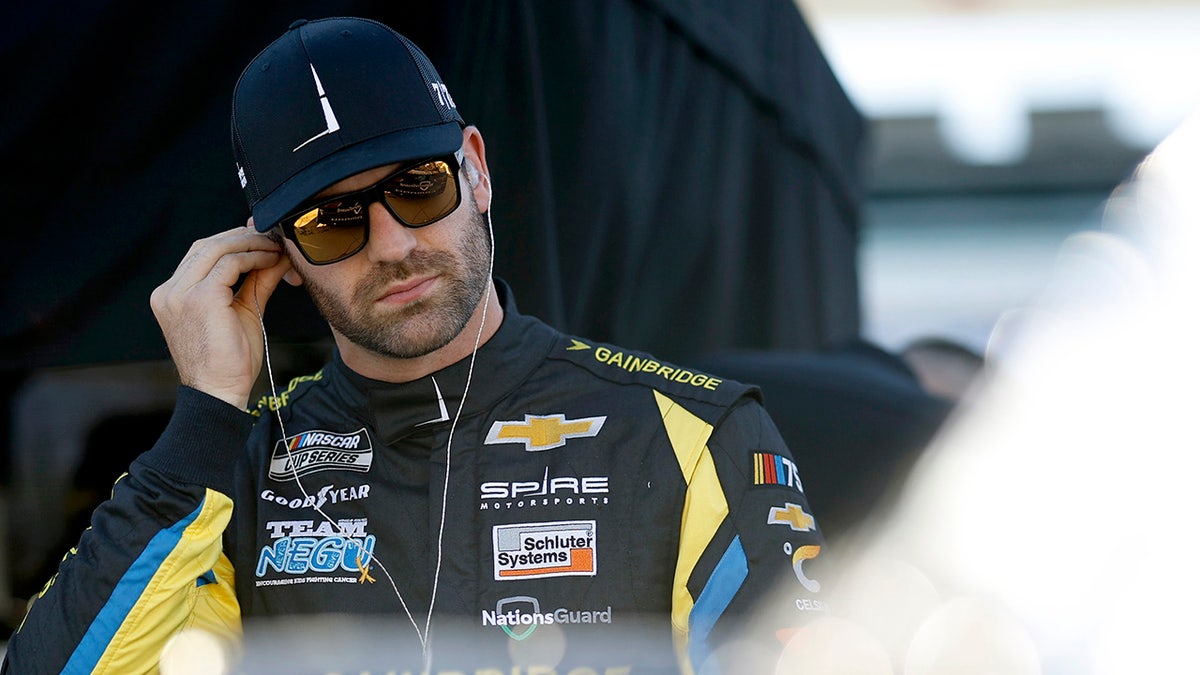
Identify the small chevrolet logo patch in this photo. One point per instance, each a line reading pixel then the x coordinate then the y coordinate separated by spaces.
pixel 791 515
pixel 543 432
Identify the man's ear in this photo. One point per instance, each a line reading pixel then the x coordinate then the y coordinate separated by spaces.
pixel 475 162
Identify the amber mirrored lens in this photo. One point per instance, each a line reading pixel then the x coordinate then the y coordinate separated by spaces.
pixel 333 230
pixel 417 196
pixel 422 194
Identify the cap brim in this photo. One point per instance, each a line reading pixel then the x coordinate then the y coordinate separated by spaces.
pixel 401 146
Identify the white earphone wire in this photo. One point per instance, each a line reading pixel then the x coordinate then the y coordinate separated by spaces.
pixel 422 636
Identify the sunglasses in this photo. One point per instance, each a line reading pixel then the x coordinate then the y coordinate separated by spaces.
pixel 417 195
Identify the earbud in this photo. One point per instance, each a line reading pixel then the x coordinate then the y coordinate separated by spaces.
pixel 473 174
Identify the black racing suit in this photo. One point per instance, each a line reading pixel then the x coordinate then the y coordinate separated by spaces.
pixel 594 493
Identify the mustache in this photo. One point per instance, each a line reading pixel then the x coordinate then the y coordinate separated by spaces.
pixel 416 263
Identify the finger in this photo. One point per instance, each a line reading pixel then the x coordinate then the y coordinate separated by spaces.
pixel 260 284
pixel 231 266
pixel 214 290
pixel 207 253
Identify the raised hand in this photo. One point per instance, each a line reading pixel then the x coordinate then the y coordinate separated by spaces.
pixel 211 328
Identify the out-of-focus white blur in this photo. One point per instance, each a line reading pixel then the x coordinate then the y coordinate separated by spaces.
pixel 996 129
pixel 982 67
pixel 1049 528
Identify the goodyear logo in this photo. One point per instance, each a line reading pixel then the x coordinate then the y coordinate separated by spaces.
pixel 543 432
pixel 771 469
pixel 328 494
pixel 564 548
pixel 313 451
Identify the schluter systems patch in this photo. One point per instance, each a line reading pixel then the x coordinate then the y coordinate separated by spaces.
pixel 563 548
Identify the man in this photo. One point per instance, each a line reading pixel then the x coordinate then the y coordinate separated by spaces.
pixel 454 461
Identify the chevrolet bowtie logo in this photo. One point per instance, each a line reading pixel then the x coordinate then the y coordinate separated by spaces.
pixel 791 515
pixel 543 432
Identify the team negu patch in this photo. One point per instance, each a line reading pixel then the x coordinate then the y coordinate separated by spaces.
pixel 316 551
pixel 318 450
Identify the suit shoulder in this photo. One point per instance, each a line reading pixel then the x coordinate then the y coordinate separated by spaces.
pixel 296 389
pixel 633 367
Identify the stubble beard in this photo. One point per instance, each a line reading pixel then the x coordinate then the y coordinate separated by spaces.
pixel 423 326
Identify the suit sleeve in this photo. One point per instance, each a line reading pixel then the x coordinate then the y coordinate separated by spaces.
pixel 151 563
pixel 748 538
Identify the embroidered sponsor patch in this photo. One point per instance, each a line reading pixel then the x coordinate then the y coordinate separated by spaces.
pixel 772 469
pixel 555 549
pixel 799 555
pixel 543 432
pixel 329 494
pixel 312 451
pixel 549 491
pixel 315 551
pixel 520 615
pixel 792 515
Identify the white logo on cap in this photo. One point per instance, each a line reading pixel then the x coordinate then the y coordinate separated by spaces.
pixel 442 94
pixel 331 123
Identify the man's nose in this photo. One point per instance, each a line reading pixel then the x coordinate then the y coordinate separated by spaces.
pixel 390 239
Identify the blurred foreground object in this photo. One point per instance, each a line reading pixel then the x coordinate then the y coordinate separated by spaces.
pixel 1047 529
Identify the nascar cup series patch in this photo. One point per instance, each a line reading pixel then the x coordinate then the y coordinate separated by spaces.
pixel 312 451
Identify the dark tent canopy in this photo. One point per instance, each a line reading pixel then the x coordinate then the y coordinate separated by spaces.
pixel 672 175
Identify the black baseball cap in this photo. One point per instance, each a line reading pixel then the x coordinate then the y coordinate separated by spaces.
pixel 331 98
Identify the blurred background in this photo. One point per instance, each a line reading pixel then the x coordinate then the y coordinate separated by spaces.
pixel 927 160
pixel 998 127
